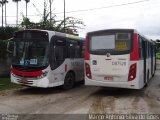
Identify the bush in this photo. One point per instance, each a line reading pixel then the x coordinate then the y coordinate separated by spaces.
pixel 158 55
pixel 7 32
pixel 3 48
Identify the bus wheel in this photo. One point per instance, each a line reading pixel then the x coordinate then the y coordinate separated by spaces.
pixel 69 81
pixel 154 71
pixel 147 80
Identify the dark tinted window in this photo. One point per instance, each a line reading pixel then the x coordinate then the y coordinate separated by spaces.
pixel 115 42
pixel 26 34
pixel 57 51
pixel 140 47
pixel 74 48
pixel 30 51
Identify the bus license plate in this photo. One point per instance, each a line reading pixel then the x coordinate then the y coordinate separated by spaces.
pixel 108 78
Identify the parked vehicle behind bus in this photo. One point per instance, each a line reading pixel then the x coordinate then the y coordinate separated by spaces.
pixel 120 58
pixel 44 59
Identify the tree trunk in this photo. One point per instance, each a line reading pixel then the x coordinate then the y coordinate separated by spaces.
pixel 50 11
pixel 2 13
pixel 5 15
pixel 17 15
pixel 64 16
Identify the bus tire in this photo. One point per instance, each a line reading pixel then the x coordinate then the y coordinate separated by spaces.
pixel 154 71
pixel 69 81
pixel 147 80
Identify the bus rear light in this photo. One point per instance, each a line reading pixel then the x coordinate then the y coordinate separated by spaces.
pixel 88 71
pixel 132 72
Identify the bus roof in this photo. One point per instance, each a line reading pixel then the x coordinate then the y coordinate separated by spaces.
pixel 56 33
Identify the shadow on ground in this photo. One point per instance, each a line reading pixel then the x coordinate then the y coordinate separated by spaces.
pixel 119 92
pixel 52 90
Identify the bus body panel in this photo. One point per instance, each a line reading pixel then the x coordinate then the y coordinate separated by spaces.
pixel 141 73
pixel 134 84
pixel 58 75
pixel 114 68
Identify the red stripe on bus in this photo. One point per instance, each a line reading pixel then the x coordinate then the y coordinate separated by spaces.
pixel 26 74
pixel 65 67
pixel 135 54
pixel 87 56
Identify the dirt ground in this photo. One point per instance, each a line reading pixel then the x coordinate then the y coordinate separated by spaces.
pixel 83 100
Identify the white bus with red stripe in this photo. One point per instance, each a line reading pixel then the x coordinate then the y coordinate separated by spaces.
pixel 120 58
pixel 44 59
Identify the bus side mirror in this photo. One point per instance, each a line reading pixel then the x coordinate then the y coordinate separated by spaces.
pixel 10 46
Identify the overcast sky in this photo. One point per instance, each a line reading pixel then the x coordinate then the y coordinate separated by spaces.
pixel 142 15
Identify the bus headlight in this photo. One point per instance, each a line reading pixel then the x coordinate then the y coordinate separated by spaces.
pixel 13 74
pixel 43 75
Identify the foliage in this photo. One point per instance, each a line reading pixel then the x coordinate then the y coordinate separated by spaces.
pixel 3 47
pixel 158 45
pixel 71 23
pixel 7 32
pixel 157 55
pixel 16 0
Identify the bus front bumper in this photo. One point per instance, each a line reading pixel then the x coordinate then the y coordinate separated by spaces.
pixel 33 82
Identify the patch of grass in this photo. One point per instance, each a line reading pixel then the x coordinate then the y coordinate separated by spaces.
pixel 5 84
pixel 158 55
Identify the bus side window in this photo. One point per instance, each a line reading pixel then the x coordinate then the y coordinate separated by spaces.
pixel 149 50
pixel 75 48
pixel 154 51
pixel 57 51
pixel 82 49
pixel 146 49
pixel 140 48
pixel 72 48
pixel 78 50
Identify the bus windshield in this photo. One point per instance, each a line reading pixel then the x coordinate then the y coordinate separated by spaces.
pixel 30 52
pixel 110 42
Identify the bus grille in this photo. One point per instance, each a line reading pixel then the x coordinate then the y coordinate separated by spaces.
pixel 24 81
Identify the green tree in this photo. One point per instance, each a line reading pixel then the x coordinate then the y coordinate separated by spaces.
pixel 5 1
pixel 158 45
pixel 2 4
pixel 27 1
pixel 7 32
pixel 49 22
pixel 3 46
